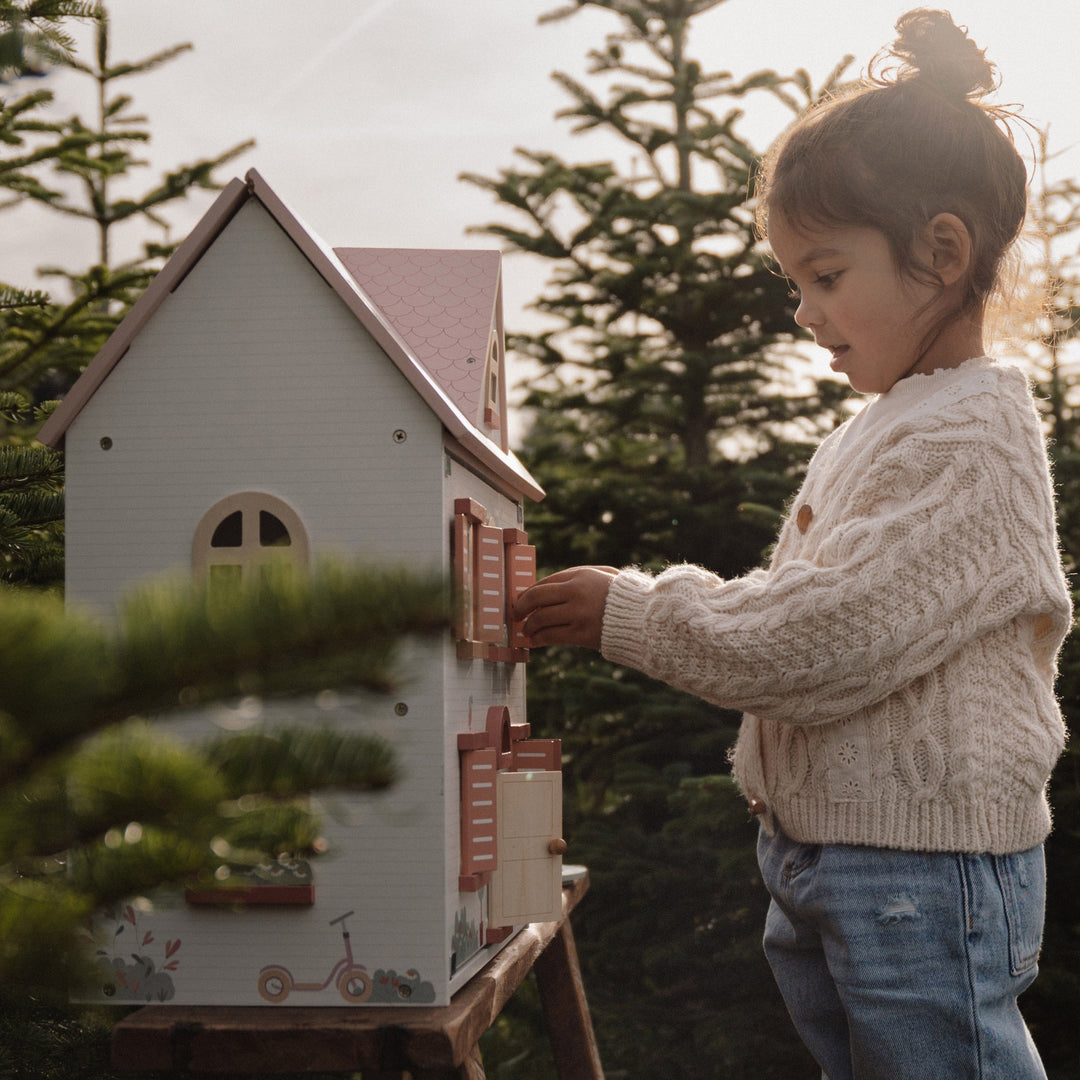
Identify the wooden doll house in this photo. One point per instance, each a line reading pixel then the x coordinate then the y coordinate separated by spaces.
pixel 269 395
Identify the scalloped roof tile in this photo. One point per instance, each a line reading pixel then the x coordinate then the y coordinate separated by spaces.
pixel 443 303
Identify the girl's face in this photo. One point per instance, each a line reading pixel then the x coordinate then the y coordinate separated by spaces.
pixel 852 297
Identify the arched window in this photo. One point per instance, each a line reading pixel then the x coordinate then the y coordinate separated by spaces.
pixel 245 531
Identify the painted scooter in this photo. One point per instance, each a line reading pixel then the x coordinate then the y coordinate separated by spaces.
pixel 352 980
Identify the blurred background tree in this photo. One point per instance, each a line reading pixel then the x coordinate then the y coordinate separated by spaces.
pixel 84 169
pixel 35 34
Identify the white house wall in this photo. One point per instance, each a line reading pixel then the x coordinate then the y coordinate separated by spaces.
pixel 252 375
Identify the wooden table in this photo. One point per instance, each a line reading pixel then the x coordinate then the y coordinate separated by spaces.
pixel 385 1043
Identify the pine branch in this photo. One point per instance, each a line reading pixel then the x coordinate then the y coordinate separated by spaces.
pixel 33 35
pixel 180 645
pixel 11 297
pixel 32 508
pixel 23 466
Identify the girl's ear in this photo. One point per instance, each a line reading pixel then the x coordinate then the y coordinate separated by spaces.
pixel 947 245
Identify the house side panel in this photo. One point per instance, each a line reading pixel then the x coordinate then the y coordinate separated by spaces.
pixel 252 375
pixel 471 687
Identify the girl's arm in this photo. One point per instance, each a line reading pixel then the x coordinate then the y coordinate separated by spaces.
pixel 948 537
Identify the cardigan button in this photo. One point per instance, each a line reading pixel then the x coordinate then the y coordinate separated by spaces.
pixel 804 517
pixel 757 807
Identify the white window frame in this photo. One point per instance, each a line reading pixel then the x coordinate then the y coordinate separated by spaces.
pixel 250 555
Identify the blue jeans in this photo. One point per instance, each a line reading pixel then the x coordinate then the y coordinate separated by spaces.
pixel 901 965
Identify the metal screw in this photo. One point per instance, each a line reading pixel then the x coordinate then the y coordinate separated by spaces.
pixel 400 435
pixel 401 708
pixel 105 443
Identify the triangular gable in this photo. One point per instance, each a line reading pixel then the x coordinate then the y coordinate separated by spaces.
pixel 459 425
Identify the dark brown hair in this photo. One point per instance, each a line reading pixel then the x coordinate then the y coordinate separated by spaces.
pixel 910 141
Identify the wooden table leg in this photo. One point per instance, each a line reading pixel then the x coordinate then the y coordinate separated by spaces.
pixel 566 1012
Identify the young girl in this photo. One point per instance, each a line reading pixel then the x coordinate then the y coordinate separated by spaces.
pixel 896 660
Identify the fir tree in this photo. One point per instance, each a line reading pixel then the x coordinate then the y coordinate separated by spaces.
pixel 85 163
pixel 660 366
pixel 74 167
pixel 31 500
pixel 116 133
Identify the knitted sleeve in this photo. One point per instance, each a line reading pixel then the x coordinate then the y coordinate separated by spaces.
pixel 947 534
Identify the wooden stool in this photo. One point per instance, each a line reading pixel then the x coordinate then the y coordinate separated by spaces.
pixel 384 1043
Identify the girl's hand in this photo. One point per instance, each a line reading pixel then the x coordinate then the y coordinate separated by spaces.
pixel 566 608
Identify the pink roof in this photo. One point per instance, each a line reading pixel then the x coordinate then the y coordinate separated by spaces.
pixel 444 305
pixel 431 347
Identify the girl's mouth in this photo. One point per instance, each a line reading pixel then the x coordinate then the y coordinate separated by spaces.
pixel 838 354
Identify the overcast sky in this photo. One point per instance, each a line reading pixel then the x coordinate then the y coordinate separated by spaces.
pixel 365 112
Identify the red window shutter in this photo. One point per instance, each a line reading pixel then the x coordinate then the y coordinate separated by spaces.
pixel 479 824
pixel 463 577
pixel 489 586
pixel 537 755
pixel 520 574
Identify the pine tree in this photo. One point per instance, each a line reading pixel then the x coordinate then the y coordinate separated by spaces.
pixel 31 501
pixel 111 153
pixel 1055 229
pixel 86 162
pixel 73 167
pixel 660 365
pixel 672 422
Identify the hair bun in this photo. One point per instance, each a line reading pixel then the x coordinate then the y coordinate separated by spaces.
pixel 937 52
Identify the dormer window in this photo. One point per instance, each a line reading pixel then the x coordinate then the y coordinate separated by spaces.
pixel 492 385
pixel 243 532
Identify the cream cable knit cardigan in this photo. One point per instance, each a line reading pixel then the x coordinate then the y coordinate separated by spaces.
pixel 896 660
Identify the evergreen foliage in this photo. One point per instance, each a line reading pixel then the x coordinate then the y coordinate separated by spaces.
pixel 659 364
pixel 73 167
pixel 105 149
pixel 1055 228
pixel 31 498
pixel 34 34
pixel 97 804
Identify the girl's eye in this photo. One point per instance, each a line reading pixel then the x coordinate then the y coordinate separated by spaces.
pixel 822 281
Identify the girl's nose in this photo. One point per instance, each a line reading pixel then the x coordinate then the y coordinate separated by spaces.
pixel 806 315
